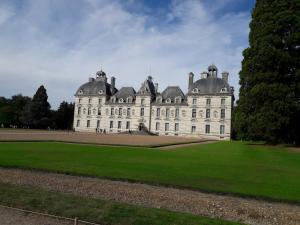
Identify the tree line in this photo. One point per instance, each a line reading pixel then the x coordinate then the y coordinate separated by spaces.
pixel 25 112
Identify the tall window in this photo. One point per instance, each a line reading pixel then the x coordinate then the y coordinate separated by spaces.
pixel 223 101
pixel 142 101
pixel 193 129
pixel 208 101
pixel 167 112
pixel 89 111
pixel 222 129
pixel 142 112
pixel 207 129
pixel 99 112
pixel 194 101
pixel 207 113
pixel 222 113
pixel 158 112
pixel 120 111
pixel 79 110
pixel 78 123
pixel 90 100
pixel 166 126
pixel 194 112
pixel 128 111
pixel 119 124
pixel 98 123
pixel 177 113
pixel 112 111
pixel 176 127
pixel 157 127
pixel 100 101
pixel 79 100
pixel 88 123
pixel 111 124
pixel 128 125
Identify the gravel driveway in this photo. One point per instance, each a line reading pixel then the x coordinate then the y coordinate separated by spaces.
pixel 249 211
pixel 93 138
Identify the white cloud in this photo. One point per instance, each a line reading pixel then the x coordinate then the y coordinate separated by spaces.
pixel 59 46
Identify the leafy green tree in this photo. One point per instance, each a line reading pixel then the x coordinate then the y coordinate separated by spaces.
pixel 268 107
pixel 37 112
pixel 63 117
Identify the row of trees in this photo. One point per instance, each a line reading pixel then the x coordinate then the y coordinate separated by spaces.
pixel 23 111
pixel 268 108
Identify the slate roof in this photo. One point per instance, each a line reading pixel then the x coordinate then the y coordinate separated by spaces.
pixel 147 87
pixel 171 93
pixel 210 85
pixel 125 92
pixel 94 88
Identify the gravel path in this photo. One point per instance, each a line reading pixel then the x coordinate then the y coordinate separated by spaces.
pixel 93 138
pixel 227 207
pixel 14 217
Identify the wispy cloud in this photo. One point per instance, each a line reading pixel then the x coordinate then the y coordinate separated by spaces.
pixel 62 43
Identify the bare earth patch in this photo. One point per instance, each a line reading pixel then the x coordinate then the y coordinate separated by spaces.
pixel 93 138
pixel 249 211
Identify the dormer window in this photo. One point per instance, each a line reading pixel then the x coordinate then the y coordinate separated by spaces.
pixel 129 99
pixel 224 89
pixel 100 92
pixel 158 100
pixel 195 90
pixel 113 100
pixel 178 99
pixel 168 100
pixel 80 92
pixel 121 100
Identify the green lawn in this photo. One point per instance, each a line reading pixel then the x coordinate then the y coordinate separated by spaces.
pixel 95 210
pixel 226 167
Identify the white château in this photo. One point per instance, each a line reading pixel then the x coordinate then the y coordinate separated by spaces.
pixel 204 111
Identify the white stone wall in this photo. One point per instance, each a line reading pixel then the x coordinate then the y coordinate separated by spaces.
pixel 150 119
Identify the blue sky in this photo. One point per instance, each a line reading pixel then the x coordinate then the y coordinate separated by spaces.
pixel 61 43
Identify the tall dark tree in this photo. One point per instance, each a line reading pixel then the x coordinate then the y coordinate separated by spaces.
pixel 37 113
pixel 268 107
pixel 63 117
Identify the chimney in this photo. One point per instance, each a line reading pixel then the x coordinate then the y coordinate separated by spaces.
pixel 191 79
pixel 113 84
pixel 225 76
pixel 204 75
pixel 156 87
pixel 91 79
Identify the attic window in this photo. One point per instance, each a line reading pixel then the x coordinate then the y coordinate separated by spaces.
pixel 195 90
pixel 168 100
pixel 121 100
pixel 129 99
pixel 100 92
pixel 158 100
pixel 178 99
pixel 80 92
pixel 224 89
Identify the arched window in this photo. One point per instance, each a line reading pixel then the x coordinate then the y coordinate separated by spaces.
pixel 121 100
pixel 168 100
pixel 129 99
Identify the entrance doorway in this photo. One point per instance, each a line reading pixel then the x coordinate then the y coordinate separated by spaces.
pixel 141 126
